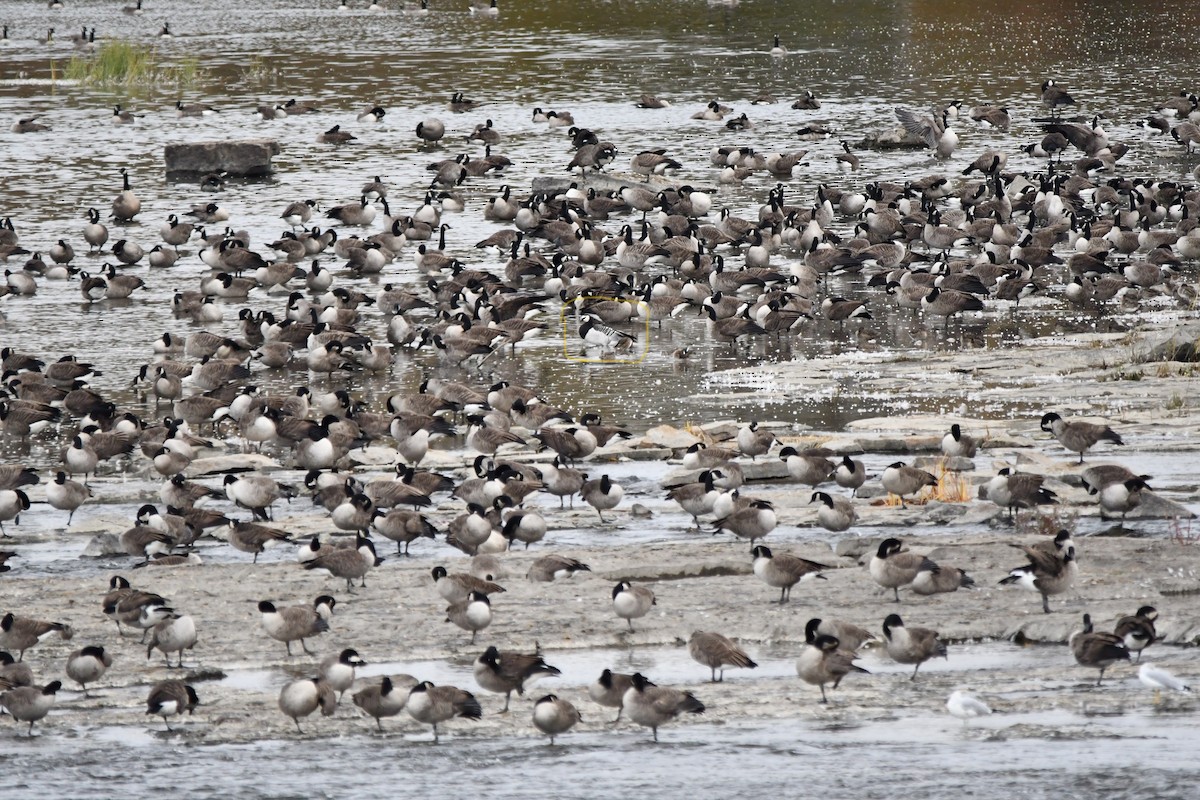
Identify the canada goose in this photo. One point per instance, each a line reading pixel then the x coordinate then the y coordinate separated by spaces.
pixel 630 601
pixel 174 634
pixel 385 698
pixel 504 672
pixel 30 124
pixel 256 493
pixel 957 444
pixel 1014 490
pixel 337 670
pixel 824 661
pixel 433 704
pixel 22 633
pixel 932 129
pixel 653 162
pixel 458 586
pixel 964 706
pixel 484 8
pixel 901 479
pixel 1121 496
pixel 697 498
pixel 250 537
pixel 650 101
pixel 431 130
pixel 609 690
pixel 850 636
pixel 850 474
pixel 806 102
pixel 1137 630
pixel 30 703
pixel 120 117
pixel 839 309
pixel 88 665
pixel 485 133
pixel 547 568
pixel 784 570
pixel 752 522
pixel 713 112
pixel 835 514
pixel 1047 573
pixel 989 163
pixel 592 156
pixel 754 442
pixel 94 233
pixel 553 716
pixel 991 116
pixel 471 614
pixel 292 623
pixel 170 698
pixel 402 527
pixel 303 697
pixel 1097 650
pixel 939 579
pixel 716 652
pixel 1077 436
pixel 126 205
pixel 602 494
pixel 911 645
pixel 1187 134
pixel 336 135
pixel 651 706
pixel 1053 97
pixel 892 567
pixel 344 562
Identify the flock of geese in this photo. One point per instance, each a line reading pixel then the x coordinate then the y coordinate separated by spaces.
pixel 1077 229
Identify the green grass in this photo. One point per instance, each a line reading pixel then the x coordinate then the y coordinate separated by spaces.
pixel 120 63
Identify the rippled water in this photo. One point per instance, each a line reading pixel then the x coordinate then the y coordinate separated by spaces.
pixel 593 59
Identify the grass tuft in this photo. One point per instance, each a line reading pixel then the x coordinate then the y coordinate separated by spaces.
pixel 122 63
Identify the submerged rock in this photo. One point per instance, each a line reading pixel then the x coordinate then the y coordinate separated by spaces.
pixel 239 158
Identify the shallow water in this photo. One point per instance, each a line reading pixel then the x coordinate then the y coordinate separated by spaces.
pixel 861 58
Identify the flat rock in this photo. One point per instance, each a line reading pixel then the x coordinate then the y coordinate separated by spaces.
pixel 236 462
pixel 934 463
pixel 240 158
pixel 103 544
pixel 668 436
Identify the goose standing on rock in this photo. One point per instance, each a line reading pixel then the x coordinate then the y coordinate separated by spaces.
pixel 824 661
pixel 30 703
pixel 1097 650
pixel 716 651
pixel 170 698
pixel 1078 436
pixel 652 706
pixel 292 623
pixel 911 645
pixel 1137 630
pixel 88 665
pixel 386 698
pixel 1048 573
pixel 892 567
pixel 553 716
pixel 783 570
pixel 301 698
pixel 433 704
pixel 1013 490
pixel 505 672
pixel 609 690
pixel 630 601
pixel 901 479
pixel 835 514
